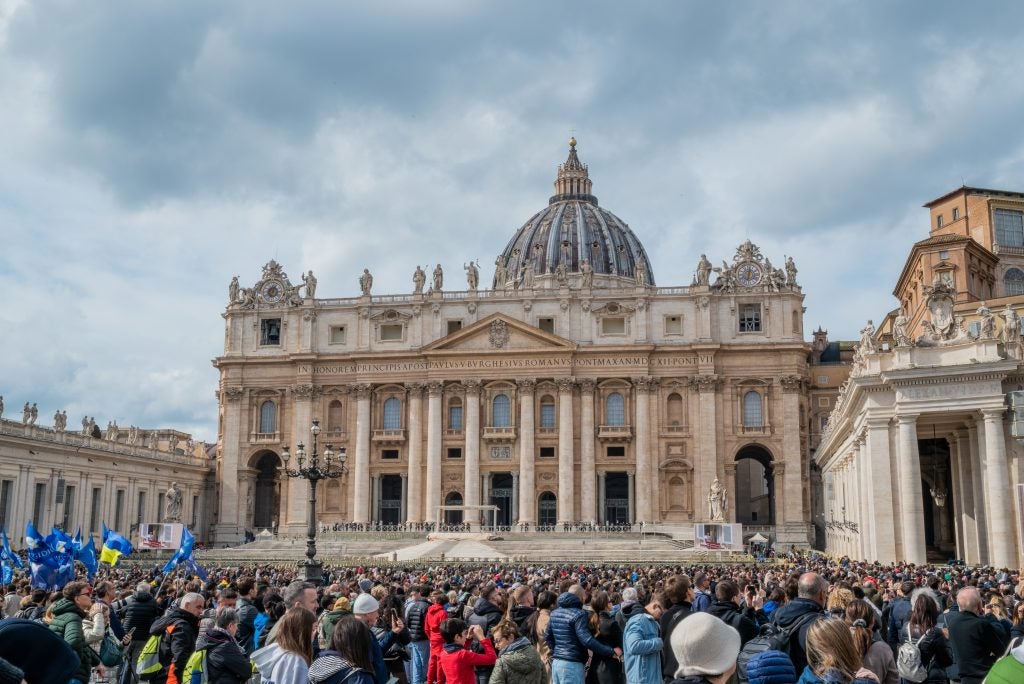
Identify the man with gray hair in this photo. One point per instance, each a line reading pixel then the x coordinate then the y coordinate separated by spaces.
pixel 225 660
pixel 179 627
pixel 797 615
pixel 977 641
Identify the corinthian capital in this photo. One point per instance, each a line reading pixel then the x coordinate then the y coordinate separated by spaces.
pixel 232 394
pixel 791 383
pixel 704 383
pixel 414 389
pixel 472 387
pixel 304 391
pixel 435 387
pixel 587 385
pixel 361 390
pixel 565 384
pixel 526 385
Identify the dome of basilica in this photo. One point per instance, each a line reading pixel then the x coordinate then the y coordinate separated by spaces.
pixel 573 229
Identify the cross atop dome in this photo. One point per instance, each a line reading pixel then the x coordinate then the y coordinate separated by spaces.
pixel 573 180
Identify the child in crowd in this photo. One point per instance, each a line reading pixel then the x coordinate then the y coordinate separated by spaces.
pixel 458 658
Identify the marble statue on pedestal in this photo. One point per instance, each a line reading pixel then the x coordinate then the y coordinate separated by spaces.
pixel 641 274
pixel 790 272
pixel 717 499
pixel 26 413
pixel 500 274
pixel 366 282
pixel 900 336
pixel 1011 326
pixel 172 443
pixel 419 279
pixel 310 281
pixel 703 270
pixel 1 406
pixel 867 337
pixel 33 414
pixel 233 291
pixel 172 509
pixel 587 281
pixel 438 278
pixel 561 273
pixel 472 275
pixel 987 330
pixel 527 277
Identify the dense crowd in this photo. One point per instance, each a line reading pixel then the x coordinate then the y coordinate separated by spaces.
pixel 807 620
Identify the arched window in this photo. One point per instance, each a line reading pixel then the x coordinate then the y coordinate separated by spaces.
pixel 752 414
pixel 615 409
pixel 675 410
pixel 392 414
pixel 501 415
pixel 268 417
pixel 1013 282
pixel 455 414
pixel 547 412
pixel 334 417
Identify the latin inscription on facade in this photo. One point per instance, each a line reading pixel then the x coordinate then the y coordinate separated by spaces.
pixel 505 363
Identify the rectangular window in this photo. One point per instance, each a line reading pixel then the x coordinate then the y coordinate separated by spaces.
pixel 391 332
pixel 270 331
pixel 94 510
pixel 337 334
pixel 389 454
pixel 613 326
pixel 546 324
pixel 454 452
pixel 1010 228
pixel 119 510
pixel 616 451
pixel 547 415
pixel 823 401
pixel 938 221
pixel 454 417
pixel 547 452
pixel 37 506
pixel 69 509
pixel 956 213
pixel 750 318
pixel 140 514
pixel 5 501
pixel 944 254
pixel 673 325
pixel 454 326
pixel 822 379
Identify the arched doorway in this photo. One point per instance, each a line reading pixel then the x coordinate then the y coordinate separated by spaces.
pixel 453 517
pixel 268 491
pixel 547 509
pixel 755 486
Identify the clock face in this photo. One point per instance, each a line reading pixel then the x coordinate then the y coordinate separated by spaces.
pixel 272 291
pixel 748 274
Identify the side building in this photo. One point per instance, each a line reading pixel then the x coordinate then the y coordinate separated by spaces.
pixel 918 459
pixel 574 389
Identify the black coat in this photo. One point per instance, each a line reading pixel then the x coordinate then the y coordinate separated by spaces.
pixel 141 613
pixel 936 654
pixel 487 615
pixel 977 643
pixel 740 620
pixel 179 644
pixel 225 660
pixel 787 615
pixel 670 620
pixel 415 618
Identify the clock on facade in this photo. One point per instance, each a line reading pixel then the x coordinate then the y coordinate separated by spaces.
pixel 272 291
pixel 748 274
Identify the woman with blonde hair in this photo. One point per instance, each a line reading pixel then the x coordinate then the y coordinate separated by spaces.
pixel 832 657
pixel 287 660
pixel 875 653
pixel 837 601
pixel 518 661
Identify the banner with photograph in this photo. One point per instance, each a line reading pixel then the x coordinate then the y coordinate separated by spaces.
pixel 718 536
pixel 159 536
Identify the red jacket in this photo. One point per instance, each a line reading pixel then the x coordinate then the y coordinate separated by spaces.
pixel 458 663
pixel 436 614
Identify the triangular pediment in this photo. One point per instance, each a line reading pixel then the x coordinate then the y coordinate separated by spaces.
pixel 498 333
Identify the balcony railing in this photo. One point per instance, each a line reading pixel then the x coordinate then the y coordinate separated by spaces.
pixel 754 429
pixel 615 433
pixel 500 434
pixel 389 436
pixel 265 437
pixel 453 432
pixel 547 431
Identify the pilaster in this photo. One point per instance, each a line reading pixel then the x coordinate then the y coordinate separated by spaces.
pixel 527 500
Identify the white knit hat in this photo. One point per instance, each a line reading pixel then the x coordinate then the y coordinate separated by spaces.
pixel 365 604
pixel 704 645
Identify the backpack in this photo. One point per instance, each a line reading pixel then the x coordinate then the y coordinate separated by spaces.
pixel 772 638
pixel 150 662
pixel 908 659
pixel 195 669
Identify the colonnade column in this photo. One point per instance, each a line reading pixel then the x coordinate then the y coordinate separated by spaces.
pixel 956 496
pixel 375 497
pixel 600 498
pixel 1003 554
pixel 588 474
pixel 911 503
pixel 403 507
pixel 527 508
pixel 515 498
pixel 631 504
pixel 472 476
pixel 361 472
pixel 413 499
pixel 566 465
pixel 977 445
pixel 433 497
pixel 643 449
pixel 298 489
pixel 880 504
pixel 968 522
pixel 867 531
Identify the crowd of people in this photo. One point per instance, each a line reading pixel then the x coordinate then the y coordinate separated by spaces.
pixel 803 621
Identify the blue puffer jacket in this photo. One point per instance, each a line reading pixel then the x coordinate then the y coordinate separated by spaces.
pixel 567 635
pixel 771 667
pixel 642 646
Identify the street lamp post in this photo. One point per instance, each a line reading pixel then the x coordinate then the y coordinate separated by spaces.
pixel 314 471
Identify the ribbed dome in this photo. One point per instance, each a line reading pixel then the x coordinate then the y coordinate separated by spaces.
pixel 573 229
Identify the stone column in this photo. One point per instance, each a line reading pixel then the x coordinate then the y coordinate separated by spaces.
pixel 588 474
pixel 527 502
pixel 975 431
pixel 414 486
pixel 880 504
pixel 226 531
pixel 485 484
pixel 793 514
pixel 706 467
pixel 643 449
pixel 1003 554
pixel 515 498
pixel 472 426
pixel 298 488
pixel 361 471
pixel 956 498
pixel 375 497
pixel 600 498
pixel 434 430
pixel 566 466
pixel 630 474
pixel 969 527
pixel 867 531
pixel 404 507
pixel 911 503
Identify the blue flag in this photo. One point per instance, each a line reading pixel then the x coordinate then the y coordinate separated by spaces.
pixel 51 569
pixel 6 573
pixel 88 557
pixel 76 541
pixel 6 553
pixel 184 551
pixel 114 546
pixel 196 569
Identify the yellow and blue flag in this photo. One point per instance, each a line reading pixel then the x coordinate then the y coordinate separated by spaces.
pixel 114 546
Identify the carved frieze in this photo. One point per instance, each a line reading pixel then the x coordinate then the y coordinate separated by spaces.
pixel 361 390
pixel 526 385
pixel 587 385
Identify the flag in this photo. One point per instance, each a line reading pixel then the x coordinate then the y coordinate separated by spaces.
pixel 76 542
pixel 6 573
pixel 60 542
pixel 51 569
pixel 88 557
pixel 184 551
pixel 6 553
pixel 194 568
pixel 114 546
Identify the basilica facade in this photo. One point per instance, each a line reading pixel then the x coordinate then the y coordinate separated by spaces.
pixel 573 389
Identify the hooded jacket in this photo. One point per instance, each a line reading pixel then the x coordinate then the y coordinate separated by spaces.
pixel 436 614
pixel 246 634
pixel 327 623
pixel 458 662
pixel 180 643
pixel 642 647
pixel 141 613
pixel 226 663
pixel 805 611
pixel 1009 669
pixel 519 663
pixel 487 615
pixel 740 620
pixel 331 668
pixel 67 624
pixel 567 634
pixel 519 615
pixel 280 666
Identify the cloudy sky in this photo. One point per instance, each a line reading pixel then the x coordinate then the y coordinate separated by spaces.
pixel 151 150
